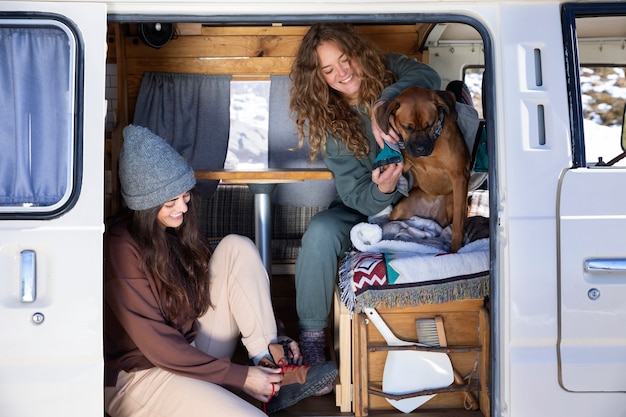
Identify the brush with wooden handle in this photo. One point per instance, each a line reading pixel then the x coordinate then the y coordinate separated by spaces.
pixel 430 331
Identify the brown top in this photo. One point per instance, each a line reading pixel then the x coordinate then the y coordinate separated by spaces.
pixel 136 335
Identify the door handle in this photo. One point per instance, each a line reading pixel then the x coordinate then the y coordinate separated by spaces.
pixel 605 265
pixel 28 276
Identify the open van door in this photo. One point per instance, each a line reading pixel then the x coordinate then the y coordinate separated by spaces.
pixel 592 236
pixel 52 75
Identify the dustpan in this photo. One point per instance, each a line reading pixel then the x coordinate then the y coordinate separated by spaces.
pixel 408 371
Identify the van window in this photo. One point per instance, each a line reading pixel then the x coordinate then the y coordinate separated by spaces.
pixel 37 90
pixel 603 90
pixel 249 118
pixel 473 79
pixel 595 38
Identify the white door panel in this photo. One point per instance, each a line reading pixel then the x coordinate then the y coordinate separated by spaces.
pixel 592 344
pixel 51 361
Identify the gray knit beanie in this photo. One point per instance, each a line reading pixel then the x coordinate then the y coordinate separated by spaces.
pixel 151 171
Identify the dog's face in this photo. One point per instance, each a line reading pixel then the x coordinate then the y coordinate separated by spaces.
pixel 418 116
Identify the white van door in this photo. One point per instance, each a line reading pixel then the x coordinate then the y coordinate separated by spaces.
pixel 52 75
pixel 592 345
pixel 592 210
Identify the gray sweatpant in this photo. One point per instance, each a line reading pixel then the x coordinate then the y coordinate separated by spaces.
pixel 326 239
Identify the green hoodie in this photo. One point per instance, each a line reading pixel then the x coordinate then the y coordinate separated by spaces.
pixel 353 177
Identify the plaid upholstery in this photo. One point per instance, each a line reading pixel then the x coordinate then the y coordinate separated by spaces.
pixel 231 210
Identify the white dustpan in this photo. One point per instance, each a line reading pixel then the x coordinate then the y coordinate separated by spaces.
pixel 410 371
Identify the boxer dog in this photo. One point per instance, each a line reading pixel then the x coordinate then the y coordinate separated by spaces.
pixel 436 155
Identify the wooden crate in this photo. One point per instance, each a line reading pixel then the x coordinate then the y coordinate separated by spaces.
pixel 466 324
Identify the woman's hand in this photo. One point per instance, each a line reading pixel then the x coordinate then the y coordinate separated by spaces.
pixel 293 355
pixel 387 177
pixel 262 383
pixel 380 136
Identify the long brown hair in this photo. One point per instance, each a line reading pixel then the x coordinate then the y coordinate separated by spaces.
pixel 320 110
pixel 178 259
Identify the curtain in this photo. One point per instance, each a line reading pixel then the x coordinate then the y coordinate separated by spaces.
pixel 282 137
pixel 192 113
pixel 35 116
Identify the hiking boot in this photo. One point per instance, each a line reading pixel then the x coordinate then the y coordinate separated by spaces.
pixel 299 381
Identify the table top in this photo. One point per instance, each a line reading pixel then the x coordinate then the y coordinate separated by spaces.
pixel 264 176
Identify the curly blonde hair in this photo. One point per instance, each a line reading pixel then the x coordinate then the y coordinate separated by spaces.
pixel 319 110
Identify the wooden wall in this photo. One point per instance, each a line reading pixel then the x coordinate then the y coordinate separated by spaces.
pixel 245 52
pixel 252 52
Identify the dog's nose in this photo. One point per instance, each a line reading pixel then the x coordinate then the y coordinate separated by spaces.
pixel 417 150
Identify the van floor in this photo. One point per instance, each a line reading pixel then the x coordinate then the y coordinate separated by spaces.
pixel 283 298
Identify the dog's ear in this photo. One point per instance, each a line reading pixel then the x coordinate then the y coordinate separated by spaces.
pixel 447 101
pixel 383 112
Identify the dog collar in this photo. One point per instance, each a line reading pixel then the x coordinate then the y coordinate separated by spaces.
pixel 439 126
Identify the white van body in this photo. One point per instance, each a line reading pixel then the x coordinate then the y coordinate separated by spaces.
pixel 558 333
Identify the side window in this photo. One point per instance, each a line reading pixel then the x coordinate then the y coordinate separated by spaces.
pixel 473 79
pixel 37 121
pixel 603 89
pixel 595 38
pixel 249 114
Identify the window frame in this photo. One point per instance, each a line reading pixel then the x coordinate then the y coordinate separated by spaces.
pixel 569 13
pixel 75 106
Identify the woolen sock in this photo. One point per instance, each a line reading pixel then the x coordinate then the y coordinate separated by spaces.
pixel 312 346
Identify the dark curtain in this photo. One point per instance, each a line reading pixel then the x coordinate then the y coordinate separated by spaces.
pixel 35 116
pixel 192 113
pixel 282 136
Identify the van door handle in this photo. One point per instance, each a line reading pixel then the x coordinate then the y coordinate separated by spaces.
pixel 28 278
pixel 605 265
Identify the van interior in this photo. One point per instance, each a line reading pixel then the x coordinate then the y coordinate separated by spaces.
pixel 248 63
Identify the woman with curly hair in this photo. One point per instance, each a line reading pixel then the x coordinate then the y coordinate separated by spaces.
pixel 339 79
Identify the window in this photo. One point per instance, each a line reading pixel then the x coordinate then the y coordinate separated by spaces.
pixel 595 38
pixel 37 125
pixel 249 118
pixel 603 93
pixel 473 79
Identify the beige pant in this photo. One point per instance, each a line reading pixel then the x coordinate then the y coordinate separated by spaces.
pixel 240 294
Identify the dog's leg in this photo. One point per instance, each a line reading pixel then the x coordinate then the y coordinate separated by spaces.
pixel 459 196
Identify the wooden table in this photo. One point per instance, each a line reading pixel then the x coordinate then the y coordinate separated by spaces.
pixel 262 183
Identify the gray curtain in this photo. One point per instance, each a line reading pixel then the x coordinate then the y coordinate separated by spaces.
pixel 35 116
pixel 192 113
pixel 282 136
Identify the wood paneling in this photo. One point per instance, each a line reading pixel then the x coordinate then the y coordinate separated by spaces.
pixel 245 52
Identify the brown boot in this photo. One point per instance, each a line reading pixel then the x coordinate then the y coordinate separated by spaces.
pixel 299 381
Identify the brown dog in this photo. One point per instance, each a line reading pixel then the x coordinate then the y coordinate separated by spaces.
pixel 436 155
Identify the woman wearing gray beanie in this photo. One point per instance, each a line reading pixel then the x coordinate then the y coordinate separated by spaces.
pixel 174 312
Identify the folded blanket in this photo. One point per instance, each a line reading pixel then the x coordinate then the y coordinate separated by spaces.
pixel 415 235
pixel 409 279
pixel 410 262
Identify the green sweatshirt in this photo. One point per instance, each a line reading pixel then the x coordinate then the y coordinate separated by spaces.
pixel 353 177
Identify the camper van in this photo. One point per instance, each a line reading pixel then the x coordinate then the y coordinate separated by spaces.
pixel 547 80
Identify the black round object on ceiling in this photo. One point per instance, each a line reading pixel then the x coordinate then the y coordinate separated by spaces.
pixel 155 34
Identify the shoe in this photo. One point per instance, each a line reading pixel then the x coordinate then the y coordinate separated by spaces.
pixel 324 391
pixel 299 381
